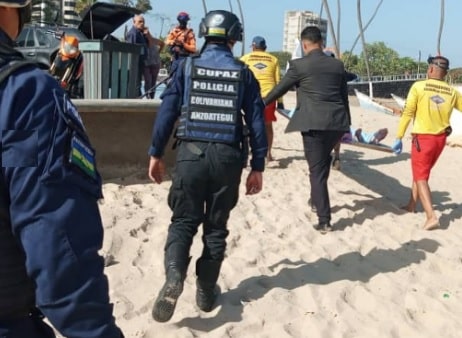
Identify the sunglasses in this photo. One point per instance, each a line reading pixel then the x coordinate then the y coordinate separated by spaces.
pixel 440 65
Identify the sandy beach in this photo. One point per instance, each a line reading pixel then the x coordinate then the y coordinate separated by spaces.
pixel 378 274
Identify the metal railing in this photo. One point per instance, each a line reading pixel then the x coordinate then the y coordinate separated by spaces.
pixel 392 78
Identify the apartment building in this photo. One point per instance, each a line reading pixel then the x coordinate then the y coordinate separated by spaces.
pixel 50 10
pixel 295 21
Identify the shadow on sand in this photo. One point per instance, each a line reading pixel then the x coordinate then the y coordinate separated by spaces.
pixel 393 193
pixel 351 266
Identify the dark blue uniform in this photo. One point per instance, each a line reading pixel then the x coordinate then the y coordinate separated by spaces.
pixel 214 56
pixel 49 192
pixel 205 185
pixel 207 94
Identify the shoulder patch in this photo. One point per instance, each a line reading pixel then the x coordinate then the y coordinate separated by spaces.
pixel 82 156
pixel 67 110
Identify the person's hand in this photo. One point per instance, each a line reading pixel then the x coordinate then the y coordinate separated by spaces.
pixel 280 105
pixel 156 169
pixel 397 146
pixel 254 183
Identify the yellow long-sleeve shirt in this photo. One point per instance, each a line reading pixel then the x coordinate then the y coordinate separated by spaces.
pixel 430 103
pixel 265 68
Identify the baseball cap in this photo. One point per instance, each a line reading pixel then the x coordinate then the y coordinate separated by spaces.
pixel 439 61
pixel 259 42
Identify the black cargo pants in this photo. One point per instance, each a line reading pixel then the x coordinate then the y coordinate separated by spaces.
pixel 205 188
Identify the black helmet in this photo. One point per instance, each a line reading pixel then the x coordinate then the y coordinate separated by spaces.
pixel 221 24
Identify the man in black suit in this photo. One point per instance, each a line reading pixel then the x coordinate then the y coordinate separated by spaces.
pixel 322 113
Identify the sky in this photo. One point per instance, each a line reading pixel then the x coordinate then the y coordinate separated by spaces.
pixel 406 26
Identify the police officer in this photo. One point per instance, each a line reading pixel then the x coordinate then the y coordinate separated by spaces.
pixel 50 226
pixel 207 93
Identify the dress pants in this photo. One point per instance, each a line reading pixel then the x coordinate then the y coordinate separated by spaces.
pixel 318 145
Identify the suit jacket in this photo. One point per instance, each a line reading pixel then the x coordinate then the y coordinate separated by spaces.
pixel 322 93
pixel 134 35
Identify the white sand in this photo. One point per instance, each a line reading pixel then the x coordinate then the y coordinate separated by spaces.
pixel 377 275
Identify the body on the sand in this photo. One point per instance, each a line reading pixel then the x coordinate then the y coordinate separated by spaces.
pixel 207 94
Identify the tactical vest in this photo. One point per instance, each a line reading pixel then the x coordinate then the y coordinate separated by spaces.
pixel 17 296
pixel 176 34
pixel 212 101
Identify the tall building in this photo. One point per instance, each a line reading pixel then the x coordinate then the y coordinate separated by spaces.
pixel 47 11
pixel 70 17
pixel 295 21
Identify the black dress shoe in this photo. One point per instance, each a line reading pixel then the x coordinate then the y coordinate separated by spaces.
pixel 310 203
pixel 323 228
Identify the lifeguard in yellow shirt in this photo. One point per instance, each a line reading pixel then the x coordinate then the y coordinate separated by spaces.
pixel 266 69
pixel 429 103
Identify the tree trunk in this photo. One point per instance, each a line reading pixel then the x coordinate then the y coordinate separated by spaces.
pixel 440 32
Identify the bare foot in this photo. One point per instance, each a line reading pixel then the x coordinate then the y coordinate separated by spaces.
pixel 408 208
pixel 270 158
pixel 431 224
pixel 336 164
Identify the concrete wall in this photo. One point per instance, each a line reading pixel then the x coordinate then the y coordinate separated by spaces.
pixel 120 131
pixel 382 89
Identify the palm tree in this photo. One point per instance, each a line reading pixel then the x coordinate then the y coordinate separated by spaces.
pixel 230 6
pixel 338 27
pixel 440 32
pixel 331 27
pixel 363 40
pixel 364 29
pixel 82 5
pixel 242 22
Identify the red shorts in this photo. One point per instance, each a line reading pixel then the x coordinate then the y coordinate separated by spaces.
pixel 270 110
pixel 431 147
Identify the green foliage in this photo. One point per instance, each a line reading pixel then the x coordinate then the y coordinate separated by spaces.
pixel 143 5
pixel 124 2
pixel 455 75
pixel 82 5
pixel 382 61
pixel 165 56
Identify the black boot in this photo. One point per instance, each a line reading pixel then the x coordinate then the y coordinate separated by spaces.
pixel 207 275
pixel 176 261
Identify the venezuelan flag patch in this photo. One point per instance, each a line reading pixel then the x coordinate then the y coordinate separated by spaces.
pixel 82 156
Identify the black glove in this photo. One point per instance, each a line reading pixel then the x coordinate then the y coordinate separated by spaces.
pixel 280 105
